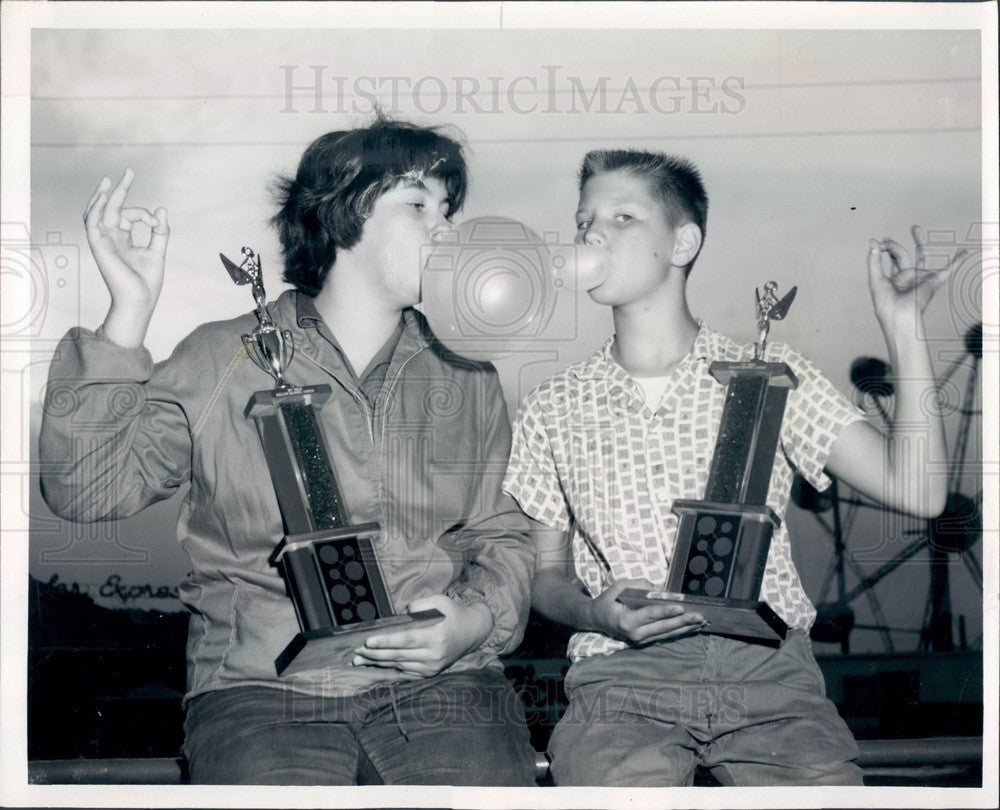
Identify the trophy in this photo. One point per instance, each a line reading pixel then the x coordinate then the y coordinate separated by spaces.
pixel 722 540
pixel 329 565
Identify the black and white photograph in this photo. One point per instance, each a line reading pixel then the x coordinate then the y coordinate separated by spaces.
pixel 500 404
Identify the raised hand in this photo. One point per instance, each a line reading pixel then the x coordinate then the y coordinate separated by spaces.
pixel 133 273
pixel 903 287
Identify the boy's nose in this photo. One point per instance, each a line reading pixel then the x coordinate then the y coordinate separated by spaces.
pixel 442 228
pixel 593 236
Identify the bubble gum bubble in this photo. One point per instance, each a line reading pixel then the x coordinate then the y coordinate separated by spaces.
pixel 591 267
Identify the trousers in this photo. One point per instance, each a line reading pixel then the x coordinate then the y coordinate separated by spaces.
pixel 466 728
pixel 753 715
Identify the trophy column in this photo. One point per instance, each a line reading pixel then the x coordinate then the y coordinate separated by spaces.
pixel 329 565
pixel 723 540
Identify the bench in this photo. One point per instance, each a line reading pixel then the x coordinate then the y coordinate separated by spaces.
pixel 918 761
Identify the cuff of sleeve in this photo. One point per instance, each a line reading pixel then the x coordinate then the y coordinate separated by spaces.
pixel 468 597
pixel 815 473
pixel 553 513
pixel 105 359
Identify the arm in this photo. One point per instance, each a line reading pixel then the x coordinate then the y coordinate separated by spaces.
pixel 896 467
pixel 106 450
pixel 558 595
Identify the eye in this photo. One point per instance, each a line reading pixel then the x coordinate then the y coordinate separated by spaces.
pixel 583 224
pixel 418 205
pixel 623 218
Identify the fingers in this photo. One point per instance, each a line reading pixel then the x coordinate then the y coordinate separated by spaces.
pixel 899 254
pixel 101 191
pixel 366 655
pixel 875 271
pixel 161 232
pixel 669 627
pixel 412 667
pixel 919 241
pixel 931 280
pixel 955 260
pixel 654 613
pixel 105 214
pixel 403 640
pixel 112 211
pixel 410 651
pixel 95 206
pixel 670 635
pixel 132 215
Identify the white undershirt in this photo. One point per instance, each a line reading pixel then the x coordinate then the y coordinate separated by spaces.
pixel 654 388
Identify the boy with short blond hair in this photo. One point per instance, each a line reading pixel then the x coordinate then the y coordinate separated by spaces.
pixel 603 449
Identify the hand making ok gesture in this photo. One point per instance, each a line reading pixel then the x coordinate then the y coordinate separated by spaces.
pixel 133 273
pixel 903 287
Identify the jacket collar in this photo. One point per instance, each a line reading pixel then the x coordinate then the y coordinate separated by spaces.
pixel 415 335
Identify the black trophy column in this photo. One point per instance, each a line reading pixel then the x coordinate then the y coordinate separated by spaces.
pixel 723 540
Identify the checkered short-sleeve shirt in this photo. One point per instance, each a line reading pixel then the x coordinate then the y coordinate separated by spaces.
pixel 590 457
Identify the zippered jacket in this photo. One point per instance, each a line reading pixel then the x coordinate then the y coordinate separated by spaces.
pixel 425 461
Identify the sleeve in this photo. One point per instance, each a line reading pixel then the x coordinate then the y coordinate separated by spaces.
pixel 815 415
pixel 112 440
pixel 532 476
pixel 500 557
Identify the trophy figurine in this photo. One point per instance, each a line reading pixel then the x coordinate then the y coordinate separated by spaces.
pixel 329 565
pixel 722 540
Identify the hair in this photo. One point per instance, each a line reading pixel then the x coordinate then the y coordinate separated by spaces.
pixel 675 181
pixel 341 174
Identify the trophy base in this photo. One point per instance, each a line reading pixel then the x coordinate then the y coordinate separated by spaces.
pixel 317 649
pixel 740 618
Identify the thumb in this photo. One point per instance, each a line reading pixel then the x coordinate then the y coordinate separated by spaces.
pixel 876 275
pixel 160 232
pixel 874 257
pixel 427 603
pixel 616 588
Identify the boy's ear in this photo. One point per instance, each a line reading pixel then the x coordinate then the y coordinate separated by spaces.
pixel 687 242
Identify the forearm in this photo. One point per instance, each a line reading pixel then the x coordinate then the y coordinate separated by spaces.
pixel 562 600
pixel 126 324
pixel 915 453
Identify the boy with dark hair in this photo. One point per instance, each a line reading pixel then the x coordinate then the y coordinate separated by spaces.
pixel 424 705
pixel 603 449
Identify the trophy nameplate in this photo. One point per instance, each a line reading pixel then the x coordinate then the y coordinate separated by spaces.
pixel 329 565
pixel 722 542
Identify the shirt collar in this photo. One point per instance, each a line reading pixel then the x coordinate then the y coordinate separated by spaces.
pixel 708 345
pixel 713 346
